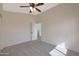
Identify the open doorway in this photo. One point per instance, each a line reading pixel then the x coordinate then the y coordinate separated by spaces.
pixel 36 31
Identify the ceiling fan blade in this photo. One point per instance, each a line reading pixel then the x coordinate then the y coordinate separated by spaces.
pixel 24 6
pixel 39 4
pixel 38 10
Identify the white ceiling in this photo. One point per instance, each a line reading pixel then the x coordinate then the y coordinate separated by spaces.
pixel 14 7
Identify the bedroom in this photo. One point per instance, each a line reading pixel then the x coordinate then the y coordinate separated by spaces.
pixel 59 24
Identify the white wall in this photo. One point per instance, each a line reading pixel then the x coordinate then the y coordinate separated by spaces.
pixel 61 24
pixel 16 28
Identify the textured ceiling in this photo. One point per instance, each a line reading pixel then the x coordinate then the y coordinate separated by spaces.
pixel 14 7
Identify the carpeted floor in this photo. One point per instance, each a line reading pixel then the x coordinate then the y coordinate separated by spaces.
pixel 32 48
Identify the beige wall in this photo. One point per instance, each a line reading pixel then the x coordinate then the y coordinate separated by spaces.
pixel 60 24
pixel 1 10
pixel 16 28
pixel 0 21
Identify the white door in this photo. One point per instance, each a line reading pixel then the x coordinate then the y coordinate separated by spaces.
pixel 36 31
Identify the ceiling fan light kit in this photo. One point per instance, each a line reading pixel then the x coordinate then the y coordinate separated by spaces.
pixel 32 9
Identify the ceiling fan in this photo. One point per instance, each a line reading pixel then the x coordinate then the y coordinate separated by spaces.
pixel 33 6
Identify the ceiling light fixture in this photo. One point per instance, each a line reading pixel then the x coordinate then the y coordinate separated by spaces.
pixel 32 9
